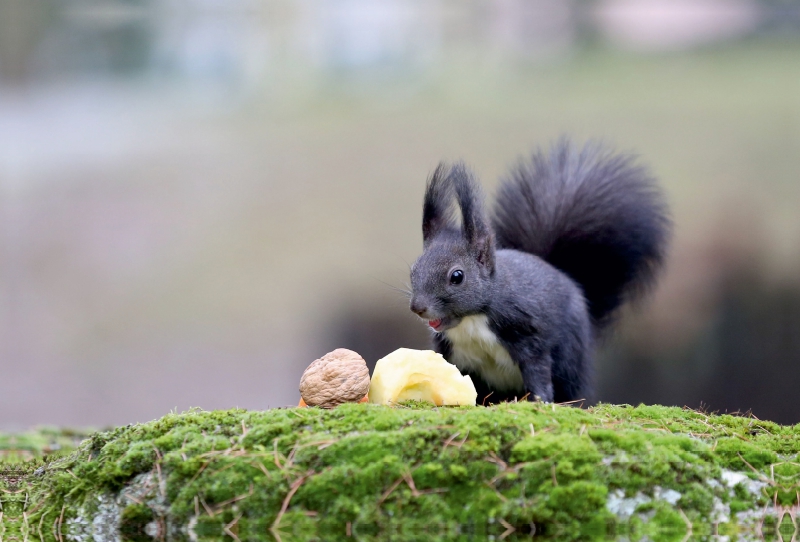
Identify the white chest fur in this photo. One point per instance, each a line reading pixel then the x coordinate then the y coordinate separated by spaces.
pixel 476 349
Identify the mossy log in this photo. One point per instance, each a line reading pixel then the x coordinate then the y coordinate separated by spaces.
pixel 415 472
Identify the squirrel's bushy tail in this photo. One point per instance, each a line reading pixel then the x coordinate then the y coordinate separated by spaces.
pixel 597 216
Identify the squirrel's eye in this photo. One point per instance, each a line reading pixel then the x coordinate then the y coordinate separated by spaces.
pixel 457 277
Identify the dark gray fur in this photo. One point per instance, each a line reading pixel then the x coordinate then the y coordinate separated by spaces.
pixel 575 233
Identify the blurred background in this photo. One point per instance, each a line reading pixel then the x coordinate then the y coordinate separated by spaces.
pixel 200 197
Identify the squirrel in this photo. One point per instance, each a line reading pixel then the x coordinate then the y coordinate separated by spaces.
pixel 517 301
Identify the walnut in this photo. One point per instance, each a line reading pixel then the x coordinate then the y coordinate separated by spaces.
pixel 337 377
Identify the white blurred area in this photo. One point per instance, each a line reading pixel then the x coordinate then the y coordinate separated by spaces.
pixel 664 25
pixel 193 194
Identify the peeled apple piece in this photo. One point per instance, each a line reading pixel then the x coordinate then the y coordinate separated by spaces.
pixel 419 375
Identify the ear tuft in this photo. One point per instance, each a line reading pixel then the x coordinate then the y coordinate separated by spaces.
pixel 475 225
pixel 436 206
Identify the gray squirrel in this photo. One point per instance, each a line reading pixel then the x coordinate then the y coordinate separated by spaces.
pixel 517 301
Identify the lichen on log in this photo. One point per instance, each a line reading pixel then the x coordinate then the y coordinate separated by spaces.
pixel 364 470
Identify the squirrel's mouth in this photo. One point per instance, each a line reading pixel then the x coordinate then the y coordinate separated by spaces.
pixel 435 324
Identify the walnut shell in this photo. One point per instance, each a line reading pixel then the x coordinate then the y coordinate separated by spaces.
pixel 337 377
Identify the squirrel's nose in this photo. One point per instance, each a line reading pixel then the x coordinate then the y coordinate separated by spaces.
pixel 418 307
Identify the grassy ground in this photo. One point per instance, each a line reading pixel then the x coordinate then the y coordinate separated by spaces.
pixel 414 472
pixel 38 443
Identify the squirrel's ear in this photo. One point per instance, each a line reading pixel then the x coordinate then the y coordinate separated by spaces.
pixel 484 252
pixel 436 207
pixel 476 227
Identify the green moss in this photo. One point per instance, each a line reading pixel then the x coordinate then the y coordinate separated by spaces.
pixel 568 472
pixel 134 520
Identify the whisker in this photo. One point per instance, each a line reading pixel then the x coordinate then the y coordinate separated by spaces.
pixel 405 292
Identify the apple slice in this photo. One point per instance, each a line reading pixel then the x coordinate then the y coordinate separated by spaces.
pixel 419 375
